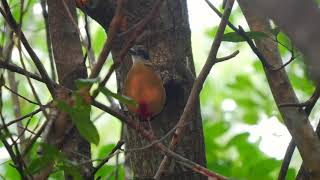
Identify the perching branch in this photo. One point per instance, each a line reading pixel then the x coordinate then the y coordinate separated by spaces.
pixel 104 161
pixel 151 138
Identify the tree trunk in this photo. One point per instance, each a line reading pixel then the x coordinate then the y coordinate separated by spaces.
pixel 294 118
pixel 70 67
pixel 168 40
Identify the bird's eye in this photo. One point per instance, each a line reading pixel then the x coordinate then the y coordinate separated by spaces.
pixel 146 56
pixel 143 54
pixel 139 52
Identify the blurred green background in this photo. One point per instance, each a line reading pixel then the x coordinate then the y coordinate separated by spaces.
pixel 244 134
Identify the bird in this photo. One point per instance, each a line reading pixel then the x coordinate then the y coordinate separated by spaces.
pixel 144 86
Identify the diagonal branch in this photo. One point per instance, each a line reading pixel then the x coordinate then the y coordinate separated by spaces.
pixel 151 138
pixel 13 24
pixel 136 32
pixel 48 38
pixel 197 86
pixel 113 30
pixel 19 95
pixel 290 149
pixel 294 118
pixel 22 117
pixel 105 160
pixel 242 33
pixel 14 68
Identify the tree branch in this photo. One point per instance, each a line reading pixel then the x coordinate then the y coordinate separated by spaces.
pixel 17 94
pixel 48 38
pixel 14 68
pixel 139 28
pixel 151 138
pixel 295 120
pixel 13 24
pixel 105 160
pixel 113 30
pixel 290 149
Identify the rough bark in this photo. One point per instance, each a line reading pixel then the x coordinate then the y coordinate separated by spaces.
pixel 167 38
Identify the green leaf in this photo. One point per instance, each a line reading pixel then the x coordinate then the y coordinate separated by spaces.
pixel 216 129
pixel 104 150
pixel 80 83
pixel 119 97
pixel 235 37
pixel 71 170
pixel 250 117
pixel 265 166
pixel 291 174
pixel 238 139
pixel 9 172
pixel 50 154
pixel 105 171
pixel 99 35
pixel 80 115
pixel 38 164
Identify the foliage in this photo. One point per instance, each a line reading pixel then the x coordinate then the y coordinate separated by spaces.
pixel 229 152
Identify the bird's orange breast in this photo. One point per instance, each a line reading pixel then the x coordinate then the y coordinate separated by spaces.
pixel 146 88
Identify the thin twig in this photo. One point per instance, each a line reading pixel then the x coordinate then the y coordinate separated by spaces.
pixel 15 155
pixel 151 138
pixel 242 33
pixel 43 109
pixel 13 24
pixel 26 129
pixel 21 135
pixel 34 92
pixel 154 142
pixel 105 160
pixel 116 171
pixel 90 51
pixel 48 38
pixel 33 140
pixel 197 86
pixel 6 53
pixel 14 68
pixel 293 56
pixel 309 104
pixel 22 118
pixel 139 28
pixel 113 30
pixel 20 162
pixel 234 54
pixel 19 95
pixel 285 64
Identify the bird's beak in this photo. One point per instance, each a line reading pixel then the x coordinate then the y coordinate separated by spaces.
pixel 131 51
